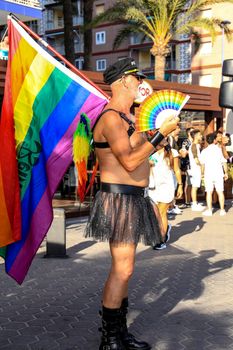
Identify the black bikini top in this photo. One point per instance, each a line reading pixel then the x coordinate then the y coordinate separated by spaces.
pixel 130 131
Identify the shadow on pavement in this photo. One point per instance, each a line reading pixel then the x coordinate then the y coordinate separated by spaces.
pixel 57 306
pixel 186 227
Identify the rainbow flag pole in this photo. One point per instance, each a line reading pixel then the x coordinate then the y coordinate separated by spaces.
pixel 42 104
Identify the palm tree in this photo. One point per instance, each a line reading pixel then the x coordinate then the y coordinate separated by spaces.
pixel 68 30
pixel 161 21
pixel 88 10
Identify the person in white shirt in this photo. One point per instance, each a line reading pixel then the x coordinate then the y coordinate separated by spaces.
pixel 195 167
pixel 214 170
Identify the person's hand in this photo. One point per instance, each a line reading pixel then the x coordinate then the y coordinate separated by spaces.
pixel 225 140
pixel 179 192
pixel 225 176
pixel 170 124
pixel 183 152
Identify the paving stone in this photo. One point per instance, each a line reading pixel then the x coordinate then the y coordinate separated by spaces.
pixel 14 347
pixel 4 320
pixel 8 333
pixel 23 339
pixel 14 325
pixel 4 341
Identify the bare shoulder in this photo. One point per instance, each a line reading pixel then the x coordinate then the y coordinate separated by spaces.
pixel 108 119
pixel 111 123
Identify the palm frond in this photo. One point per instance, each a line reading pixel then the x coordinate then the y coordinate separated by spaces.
pixel 112 14
pixel 227 30
pixel 125 32
pixel 139 18
pixel 203 23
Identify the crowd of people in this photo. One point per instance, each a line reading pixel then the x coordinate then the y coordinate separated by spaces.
pixel 178 172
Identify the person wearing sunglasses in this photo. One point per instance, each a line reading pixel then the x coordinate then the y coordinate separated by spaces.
pixel 122 212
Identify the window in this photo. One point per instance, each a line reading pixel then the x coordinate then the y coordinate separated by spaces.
pixel 135 39
pixel 100 38
pixel 49 19
pixel 33 25
pixel 99 9
pixel 79 63
pixel 205 48
pixel 60 21
pixel 174 77
pixel 101 65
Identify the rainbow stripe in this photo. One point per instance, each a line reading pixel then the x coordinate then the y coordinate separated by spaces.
pixel 157 107
pixel 42 104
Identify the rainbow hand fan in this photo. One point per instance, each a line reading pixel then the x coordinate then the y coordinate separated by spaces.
pixel 157 107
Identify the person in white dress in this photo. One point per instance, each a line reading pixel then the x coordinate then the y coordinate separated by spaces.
pixel 164 175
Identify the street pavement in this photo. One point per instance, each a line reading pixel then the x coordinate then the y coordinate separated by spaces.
pixel 181 298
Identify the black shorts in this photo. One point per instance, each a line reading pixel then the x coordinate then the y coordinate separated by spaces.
pixel 123 214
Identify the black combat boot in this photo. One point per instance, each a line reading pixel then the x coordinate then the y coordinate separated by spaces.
pixel 129 341
pixel 110 339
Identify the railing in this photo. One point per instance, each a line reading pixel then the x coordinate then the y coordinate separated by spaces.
pixel 31 3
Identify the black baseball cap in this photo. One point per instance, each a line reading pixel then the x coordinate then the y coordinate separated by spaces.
pixel 126 66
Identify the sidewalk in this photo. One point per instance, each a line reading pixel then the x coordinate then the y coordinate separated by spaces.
pixel 181 297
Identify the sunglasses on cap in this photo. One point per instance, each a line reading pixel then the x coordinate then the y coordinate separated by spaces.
pixel 137 77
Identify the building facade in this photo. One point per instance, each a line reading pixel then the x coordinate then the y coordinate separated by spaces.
pixel 206 65
pixel 182 64
pixel 178 63
pixel 29 11
pixel 53 27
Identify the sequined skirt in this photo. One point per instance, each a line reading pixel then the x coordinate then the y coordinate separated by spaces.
pixel 123 218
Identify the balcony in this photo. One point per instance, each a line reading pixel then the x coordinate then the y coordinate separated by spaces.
pixel 31 3
pixel 25 10
pixel 78 47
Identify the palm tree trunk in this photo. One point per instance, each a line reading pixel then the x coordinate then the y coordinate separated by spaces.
pixel 88 11
pixel 68 31
pixel 160 67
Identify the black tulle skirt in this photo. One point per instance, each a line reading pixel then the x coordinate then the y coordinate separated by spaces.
pixel 123 219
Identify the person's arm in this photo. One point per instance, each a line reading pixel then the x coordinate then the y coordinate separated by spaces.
pixel 224 152
pixel 202 170
pixel 118 139
pixel 225 176
pixel 202 162
pixel 176 168
pixel 194 152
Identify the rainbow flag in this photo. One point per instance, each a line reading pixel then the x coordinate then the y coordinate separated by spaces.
pixel 42 104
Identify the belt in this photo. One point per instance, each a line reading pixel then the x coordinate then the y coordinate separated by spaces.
pixel 124 189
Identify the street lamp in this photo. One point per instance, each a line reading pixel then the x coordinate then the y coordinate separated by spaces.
pixel 222 25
